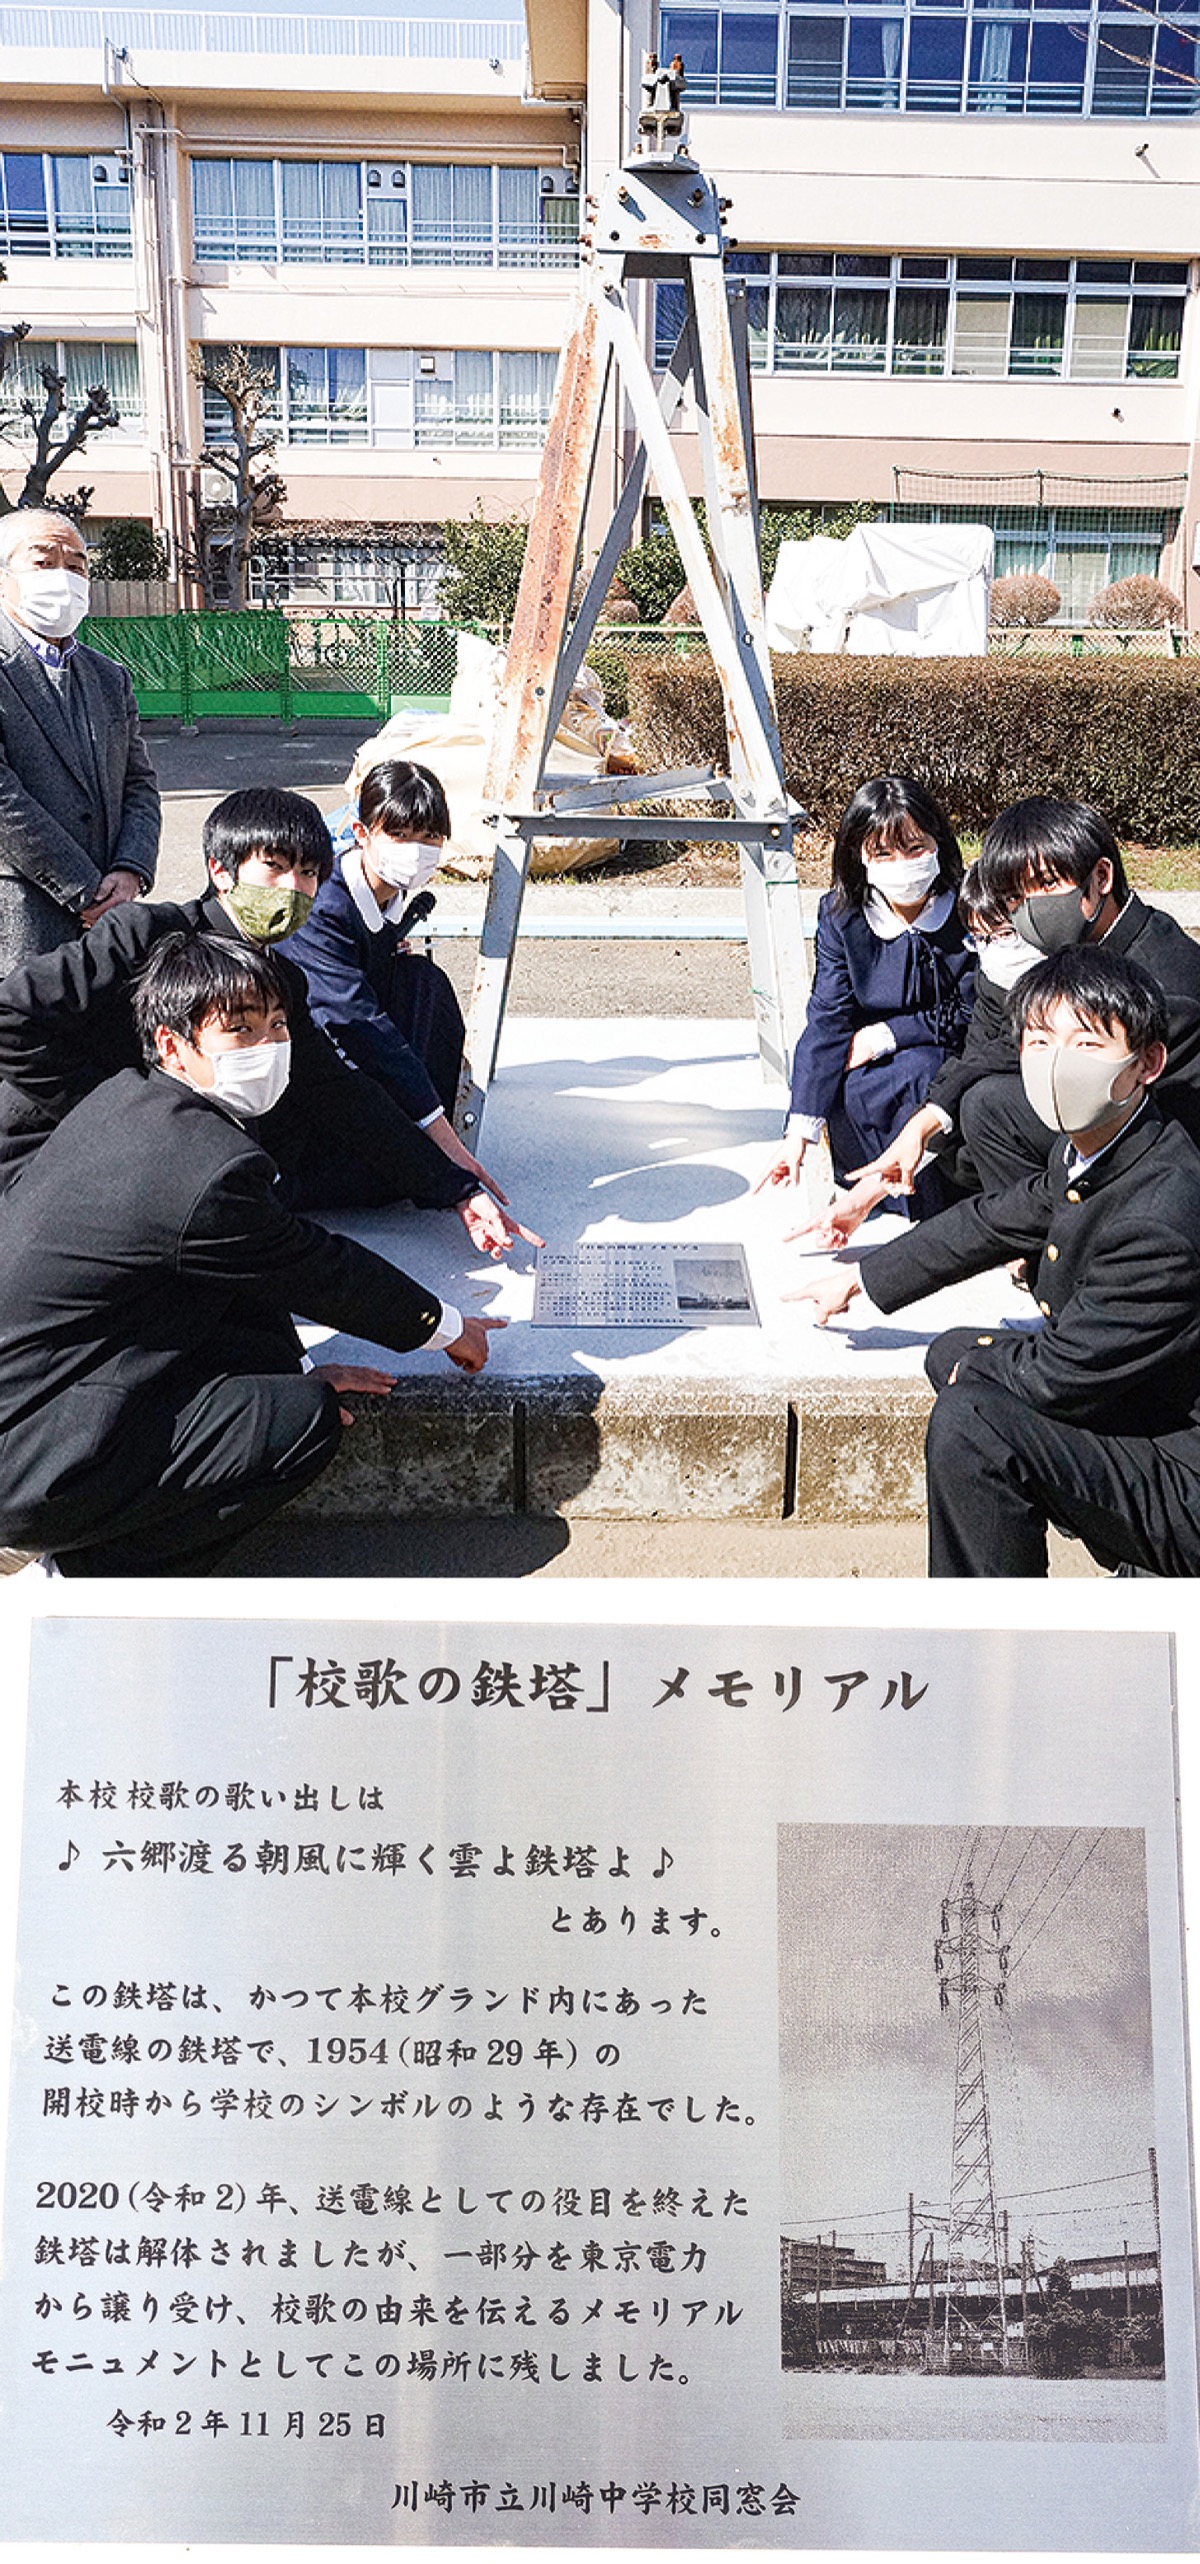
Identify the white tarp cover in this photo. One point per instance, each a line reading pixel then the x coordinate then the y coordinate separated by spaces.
pixel 886 591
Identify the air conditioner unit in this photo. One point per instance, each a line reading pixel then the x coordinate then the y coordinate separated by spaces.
pixel 215 490
pixel 113 172
pixel 558 182
pixel 386 177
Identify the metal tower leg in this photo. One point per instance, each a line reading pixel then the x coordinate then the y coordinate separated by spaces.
pixel 658 217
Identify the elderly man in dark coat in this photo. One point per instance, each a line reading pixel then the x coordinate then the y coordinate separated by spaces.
pixel 79 805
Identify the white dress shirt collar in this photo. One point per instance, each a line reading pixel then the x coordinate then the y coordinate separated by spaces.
pixel 883 921
pixel 1077 1164
pixel 372 915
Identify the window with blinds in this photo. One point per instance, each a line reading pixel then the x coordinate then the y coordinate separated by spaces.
pixel 65 205
pixel 382 214
pixel 1085 320
pixel 82 363
pixel 940 57
pixel 394 397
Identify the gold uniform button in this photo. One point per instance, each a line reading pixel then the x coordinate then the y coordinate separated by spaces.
pixel 1044 1306
pixel 1052 1254
pixel 985 1339
pixel 1072 1195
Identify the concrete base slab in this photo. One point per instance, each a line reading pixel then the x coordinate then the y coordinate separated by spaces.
pixel 620 1128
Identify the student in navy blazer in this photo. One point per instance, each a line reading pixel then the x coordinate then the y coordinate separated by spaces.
pixel 389 1011
pixel 892 988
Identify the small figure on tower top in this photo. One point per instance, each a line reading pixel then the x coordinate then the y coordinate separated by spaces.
pixel 661 122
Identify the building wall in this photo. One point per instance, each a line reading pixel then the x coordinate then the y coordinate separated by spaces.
pixel 171 300
pixel 951 185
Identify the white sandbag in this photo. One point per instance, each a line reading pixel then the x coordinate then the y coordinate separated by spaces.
pixel 455 745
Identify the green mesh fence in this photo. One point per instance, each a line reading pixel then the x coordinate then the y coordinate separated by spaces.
pixel 363 667
pixel 197 666
pixel 323 667
pixel 193 667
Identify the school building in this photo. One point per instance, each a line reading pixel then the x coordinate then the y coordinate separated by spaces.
pixel 966 226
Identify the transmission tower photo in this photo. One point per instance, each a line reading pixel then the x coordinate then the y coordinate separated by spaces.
pixel 969 2171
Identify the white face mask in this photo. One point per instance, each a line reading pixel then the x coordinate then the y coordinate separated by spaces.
pixel 1004 959
pixel 52 602
pixel 406 865
pixel 906 878
pixel 249 1082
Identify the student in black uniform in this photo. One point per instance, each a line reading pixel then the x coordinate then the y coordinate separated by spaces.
pixel 153 1404
pixel 1092 1420
pixel 338 1139
pixel 1054 870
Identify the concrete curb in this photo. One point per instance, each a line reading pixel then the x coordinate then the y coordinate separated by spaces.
pixel 578 1447
pixel 604 912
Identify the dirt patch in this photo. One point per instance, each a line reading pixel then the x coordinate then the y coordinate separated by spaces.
pixel 716 867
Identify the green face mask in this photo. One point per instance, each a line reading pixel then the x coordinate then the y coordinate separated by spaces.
pixel 268 915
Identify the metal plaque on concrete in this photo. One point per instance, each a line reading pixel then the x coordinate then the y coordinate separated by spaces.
pixel 500 2083
pixel 647 1283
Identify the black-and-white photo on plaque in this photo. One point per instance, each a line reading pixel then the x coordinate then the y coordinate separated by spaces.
pixel 978 2029
pixel 518 2084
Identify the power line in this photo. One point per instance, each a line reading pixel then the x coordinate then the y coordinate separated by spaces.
pixel 1008 2199
pixel 1093 2181
pixel 1036 1899
pixel 1020 1865
pixel 992 1863
pixel 1093 1846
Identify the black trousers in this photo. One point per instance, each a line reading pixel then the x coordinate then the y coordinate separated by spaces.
pixel 998 1472
pixel 207 1467
pixel 1002 1134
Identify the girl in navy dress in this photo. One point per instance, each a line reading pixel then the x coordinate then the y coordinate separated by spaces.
pixel 892 987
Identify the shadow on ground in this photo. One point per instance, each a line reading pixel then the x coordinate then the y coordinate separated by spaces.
pixel 521 1545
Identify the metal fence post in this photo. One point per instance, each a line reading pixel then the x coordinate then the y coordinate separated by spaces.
pixel 286 711
pixel 383 669
pixel 185 672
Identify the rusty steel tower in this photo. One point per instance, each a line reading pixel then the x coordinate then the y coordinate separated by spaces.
pixel 969 1964
pixel 658 218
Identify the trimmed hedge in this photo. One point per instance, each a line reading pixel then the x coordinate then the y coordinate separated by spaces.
pixel 1124 734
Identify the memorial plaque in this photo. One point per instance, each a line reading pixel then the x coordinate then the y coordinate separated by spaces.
pixel 649 1283
pixel 488 2083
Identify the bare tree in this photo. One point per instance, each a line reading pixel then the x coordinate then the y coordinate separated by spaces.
pixel 256 492
pixel 42 418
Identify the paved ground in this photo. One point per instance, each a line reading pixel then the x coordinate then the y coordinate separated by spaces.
pixel 551 978
pixel 629 1127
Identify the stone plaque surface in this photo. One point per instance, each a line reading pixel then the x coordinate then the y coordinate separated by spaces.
pixel 674 1282
pixel 500 2083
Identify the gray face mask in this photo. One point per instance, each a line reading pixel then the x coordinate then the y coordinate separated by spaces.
pixel 1053 920
pixel 1072 1090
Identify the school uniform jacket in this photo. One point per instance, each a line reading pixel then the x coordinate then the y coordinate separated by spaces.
pixel 919 982
pixel 66 1024
pixel 145 1249
pixel 1114 1258
pixel 350 970
pixel 1169 957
